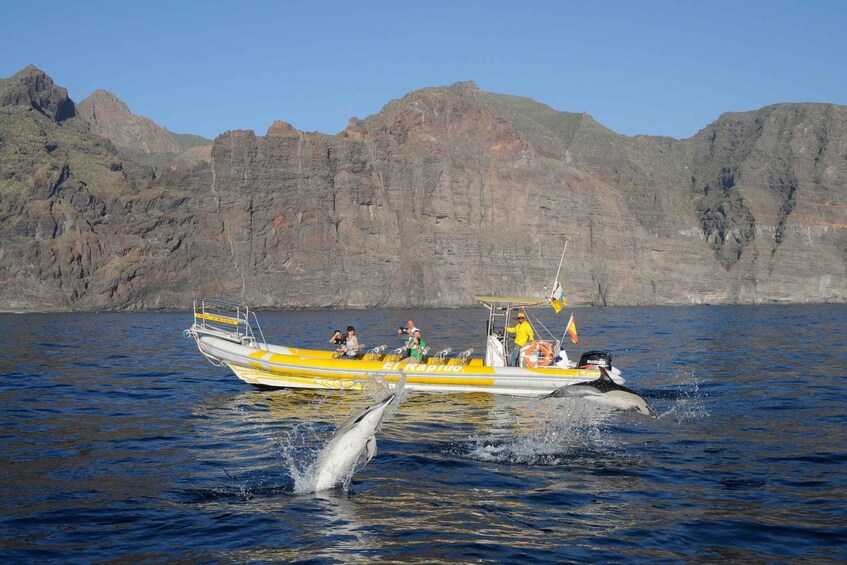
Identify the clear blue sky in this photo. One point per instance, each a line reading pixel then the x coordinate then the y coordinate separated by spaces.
pixel 638 67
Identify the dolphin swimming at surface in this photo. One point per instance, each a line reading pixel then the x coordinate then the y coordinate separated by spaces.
pixel 352 446
pixel 607 392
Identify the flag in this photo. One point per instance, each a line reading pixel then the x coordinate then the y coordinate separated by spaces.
pixel 557 306
pixel 557 298
pixel 571 330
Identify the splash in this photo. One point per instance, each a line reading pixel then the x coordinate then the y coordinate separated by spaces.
pixel 299 454
pixel 688 398
pixel 377 386
pixel 545 433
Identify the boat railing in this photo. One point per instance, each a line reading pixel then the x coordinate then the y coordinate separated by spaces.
pixel 228 320
pixel 395 354
pixel 440 358
pixel 462 358
pixel 375 354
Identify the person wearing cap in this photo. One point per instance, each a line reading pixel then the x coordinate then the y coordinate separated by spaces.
pixel 523 335
pixel 417 346
pixel 410 329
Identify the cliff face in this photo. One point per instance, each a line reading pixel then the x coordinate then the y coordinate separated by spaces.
pixel 446 193
pixel 770 192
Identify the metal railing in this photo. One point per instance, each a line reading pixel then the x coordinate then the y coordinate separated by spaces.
pixel 228 320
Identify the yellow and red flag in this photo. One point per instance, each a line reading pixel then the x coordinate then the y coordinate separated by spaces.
pixel 571 330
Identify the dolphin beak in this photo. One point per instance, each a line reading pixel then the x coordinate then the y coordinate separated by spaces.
pixel 388 399
pixel 384 404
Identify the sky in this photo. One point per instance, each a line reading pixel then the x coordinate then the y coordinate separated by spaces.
pixel 638 67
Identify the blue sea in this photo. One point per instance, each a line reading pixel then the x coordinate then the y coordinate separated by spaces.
pixel 122 444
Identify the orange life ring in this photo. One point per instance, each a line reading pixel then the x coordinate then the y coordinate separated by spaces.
pixel 543 357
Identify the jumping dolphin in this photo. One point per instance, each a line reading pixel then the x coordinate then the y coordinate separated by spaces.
pixel 607 392
pixel 352 446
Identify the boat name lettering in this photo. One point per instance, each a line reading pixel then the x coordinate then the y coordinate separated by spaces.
pixel 220 319
pixel 422 368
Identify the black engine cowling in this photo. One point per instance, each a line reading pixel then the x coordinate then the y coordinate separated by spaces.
pixel 591 359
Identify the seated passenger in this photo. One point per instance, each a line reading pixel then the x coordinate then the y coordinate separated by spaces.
pixel 351 346
pixel 338 338
pixel 416 346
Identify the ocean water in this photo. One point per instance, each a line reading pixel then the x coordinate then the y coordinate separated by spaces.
pixel 121 444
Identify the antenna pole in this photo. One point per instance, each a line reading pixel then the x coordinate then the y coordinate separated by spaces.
pixel 560 262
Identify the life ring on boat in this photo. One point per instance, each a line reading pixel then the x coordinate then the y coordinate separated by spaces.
pixel 539 354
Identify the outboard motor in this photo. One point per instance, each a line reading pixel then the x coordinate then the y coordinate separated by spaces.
pixel 591 359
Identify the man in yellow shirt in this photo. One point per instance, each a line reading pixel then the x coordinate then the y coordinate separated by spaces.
pixel 523 335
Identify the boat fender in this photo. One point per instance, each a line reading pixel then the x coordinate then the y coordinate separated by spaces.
pixel 539 354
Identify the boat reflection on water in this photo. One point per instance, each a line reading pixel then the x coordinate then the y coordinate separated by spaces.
pixel 504 429
pixel 447 413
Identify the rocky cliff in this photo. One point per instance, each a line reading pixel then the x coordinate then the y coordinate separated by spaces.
pixel 445 193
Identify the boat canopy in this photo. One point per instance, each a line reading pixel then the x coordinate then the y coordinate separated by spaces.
pixel 508 301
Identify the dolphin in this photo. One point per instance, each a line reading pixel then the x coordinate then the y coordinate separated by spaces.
pixel 607 392
pixel 352 446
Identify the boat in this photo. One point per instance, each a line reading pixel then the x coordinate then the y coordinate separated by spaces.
pixel 229 335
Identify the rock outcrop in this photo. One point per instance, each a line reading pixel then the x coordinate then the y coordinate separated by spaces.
pixel 110 118
pixel 32 88
pixel 140 138
pixel 445 193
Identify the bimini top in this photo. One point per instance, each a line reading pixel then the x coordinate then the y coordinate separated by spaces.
pixel 508 301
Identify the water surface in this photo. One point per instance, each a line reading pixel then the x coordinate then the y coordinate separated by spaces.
pixel 122 444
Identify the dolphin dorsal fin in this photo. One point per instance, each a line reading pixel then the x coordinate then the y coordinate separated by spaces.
pixel 604 375
pixel 366 455
pixel 370 447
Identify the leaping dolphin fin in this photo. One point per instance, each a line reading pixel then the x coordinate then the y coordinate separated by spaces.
pixel 366 455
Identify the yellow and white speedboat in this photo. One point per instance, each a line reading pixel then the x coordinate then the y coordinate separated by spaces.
pixel 229 334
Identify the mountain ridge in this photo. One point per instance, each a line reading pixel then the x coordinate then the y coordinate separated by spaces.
pixel 445 193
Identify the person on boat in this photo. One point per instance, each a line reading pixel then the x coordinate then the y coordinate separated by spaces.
pixel 416 346
pixel 409 329
pixel 351 346
pixel 338 338
pixel 523 335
